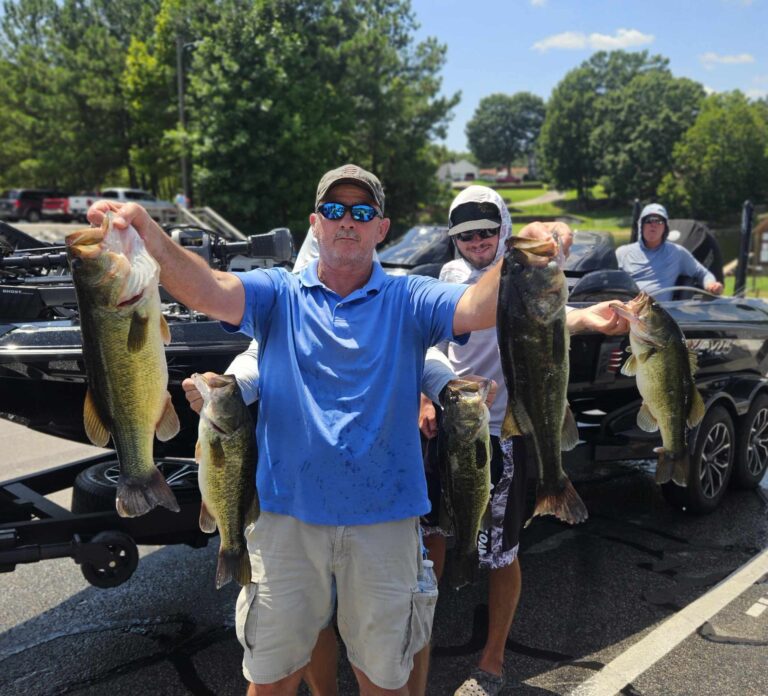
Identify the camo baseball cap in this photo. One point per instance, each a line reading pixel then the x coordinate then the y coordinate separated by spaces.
pixel 351 174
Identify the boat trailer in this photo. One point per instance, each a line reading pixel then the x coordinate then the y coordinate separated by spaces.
pixel 103 544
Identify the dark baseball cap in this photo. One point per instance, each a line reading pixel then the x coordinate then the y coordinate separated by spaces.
pixel 473 215
pixel 351 174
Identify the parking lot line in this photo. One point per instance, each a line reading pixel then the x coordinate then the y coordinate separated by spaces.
pixel 662 640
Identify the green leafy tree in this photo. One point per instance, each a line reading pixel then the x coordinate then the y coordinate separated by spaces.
pixel 61 64
pixel 504 127
pixel 31 88
pixel 150 88
pixel 280 92
pixel 721 160
pixel 569 151
pixel 566 153
pixel 638 126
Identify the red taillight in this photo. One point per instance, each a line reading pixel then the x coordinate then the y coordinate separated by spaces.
pixel 65 206
pixel 17 204
pixel 615 361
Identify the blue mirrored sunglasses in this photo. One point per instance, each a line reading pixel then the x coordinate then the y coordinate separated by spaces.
pixel 361 212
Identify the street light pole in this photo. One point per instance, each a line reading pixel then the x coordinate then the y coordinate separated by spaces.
pixel 182 122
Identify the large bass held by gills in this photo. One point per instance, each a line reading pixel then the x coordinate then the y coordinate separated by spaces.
pixel 533 345
pixel 123 332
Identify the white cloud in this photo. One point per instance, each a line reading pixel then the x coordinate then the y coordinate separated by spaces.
pixel 624 38
pixel 538 3
pixel 711 59
pixel 709 90
pixel 566 40
pixel 756 93
pixel 575 40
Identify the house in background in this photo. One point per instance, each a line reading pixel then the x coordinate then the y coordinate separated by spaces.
pixel 462 170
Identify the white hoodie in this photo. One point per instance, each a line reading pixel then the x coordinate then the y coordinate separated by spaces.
pixel 480 355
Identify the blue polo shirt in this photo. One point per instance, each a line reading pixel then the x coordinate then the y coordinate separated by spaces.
pixel 339 392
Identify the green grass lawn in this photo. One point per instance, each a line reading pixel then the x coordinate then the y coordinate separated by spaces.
pixel 757 286
pixel 599 216
pixel 512 196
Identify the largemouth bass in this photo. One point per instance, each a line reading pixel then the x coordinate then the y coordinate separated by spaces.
pixel 116 282
pixel 533 345
pixel 226 455
pixel 464 452
pixel 664 367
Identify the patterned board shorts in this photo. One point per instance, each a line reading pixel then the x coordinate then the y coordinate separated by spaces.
pixel 499 544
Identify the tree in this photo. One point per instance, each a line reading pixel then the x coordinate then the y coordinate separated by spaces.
pixel 721 160
pixel 61 64
pixel 638 127
pixel 570 151
pixel 566 152
pixel 505 127
pixel 280 92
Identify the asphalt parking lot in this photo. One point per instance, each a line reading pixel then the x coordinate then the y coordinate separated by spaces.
pixel 592 594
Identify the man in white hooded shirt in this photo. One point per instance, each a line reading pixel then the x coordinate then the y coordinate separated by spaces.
pixel 480 224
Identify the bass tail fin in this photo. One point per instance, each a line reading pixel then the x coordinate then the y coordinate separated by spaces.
pixel 234 564
pixel 672 467
pixel 565 504
pixel 463 569
pixel 138 496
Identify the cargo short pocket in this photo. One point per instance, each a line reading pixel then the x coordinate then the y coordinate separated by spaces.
pixel 247 614
pixel 422 613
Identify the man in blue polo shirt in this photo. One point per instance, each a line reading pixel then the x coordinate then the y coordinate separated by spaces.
pixel 340 477
pixel 339 474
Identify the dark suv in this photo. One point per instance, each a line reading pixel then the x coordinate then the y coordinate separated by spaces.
pixel 25 203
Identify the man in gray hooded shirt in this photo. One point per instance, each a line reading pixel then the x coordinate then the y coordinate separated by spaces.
pixel 480 224
pixel 654 263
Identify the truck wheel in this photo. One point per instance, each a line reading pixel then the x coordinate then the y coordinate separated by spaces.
pixel 95 487
pixel 33 215
pixel 123 559
pixel 752 445
pixel 712 460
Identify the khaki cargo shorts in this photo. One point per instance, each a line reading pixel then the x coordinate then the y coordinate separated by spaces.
pixel 382 617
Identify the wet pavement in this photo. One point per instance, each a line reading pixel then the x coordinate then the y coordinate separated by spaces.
pixel 590 593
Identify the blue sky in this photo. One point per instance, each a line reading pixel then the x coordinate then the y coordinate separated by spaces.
pixel 513 46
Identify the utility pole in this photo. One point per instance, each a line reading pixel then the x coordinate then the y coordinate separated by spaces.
pixel 180 46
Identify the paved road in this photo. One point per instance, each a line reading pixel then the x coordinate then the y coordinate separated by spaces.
pixel 590 594
pixel 548 197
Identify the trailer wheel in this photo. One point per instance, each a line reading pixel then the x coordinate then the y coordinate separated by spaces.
pixel 752 445
pixel 94 488
pixel 123 559
pixel 711 465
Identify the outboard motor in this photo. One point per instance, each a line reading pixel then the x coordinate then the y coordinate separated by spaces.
pixel 699 240
pixel 598 286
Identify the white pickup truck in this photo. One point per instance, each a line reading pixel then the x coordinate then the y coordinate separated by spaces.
pixel 76 207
